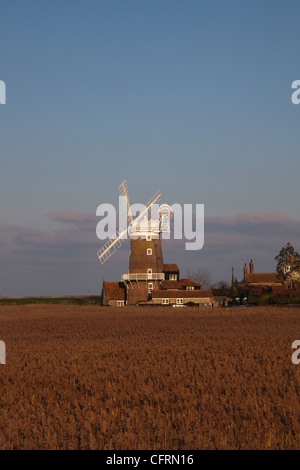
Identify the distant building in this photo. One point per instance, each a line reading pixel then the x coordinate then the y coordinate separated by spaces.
pixel 257 284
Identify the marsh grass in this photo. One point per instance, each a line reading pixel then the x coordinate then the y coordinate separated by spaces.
pixel 90 377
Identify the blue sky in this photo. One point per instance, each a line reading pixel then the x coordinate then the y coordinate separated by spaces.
pixel 190 97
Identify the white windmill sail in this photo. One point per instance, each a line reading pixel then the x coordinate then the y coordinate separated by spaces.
pixel 134 228
pixel 124 192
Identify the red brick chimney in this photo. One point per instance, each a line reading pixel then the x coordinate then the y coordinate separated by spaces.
pixel 245 272
pixel 251 267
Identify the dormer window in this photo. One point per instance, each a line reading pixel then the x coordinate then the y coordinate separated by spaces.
pixel 173 277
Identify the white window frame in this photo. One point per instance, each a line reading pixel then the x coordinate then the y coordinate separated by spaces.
pixel 150 287
pixel 179 301
pixel 165 301
pixel 149 272
pixel 190 288
pixel 148 238
pixel 149 251
pixel 120 303
pixel 173 277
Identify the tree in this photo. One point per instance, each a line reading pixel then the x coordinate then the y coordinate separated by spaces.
pixel 288 264
pixel 282 257
pixel 203 277
pixel 221 288
pixel 222 285
pixel 233 285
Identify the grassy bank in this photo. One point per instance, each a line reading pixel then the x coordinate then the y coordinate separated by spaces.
pixel 88 300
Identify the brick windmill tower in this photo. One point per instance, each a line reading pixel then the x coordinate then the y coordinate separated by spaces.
pixel 146 258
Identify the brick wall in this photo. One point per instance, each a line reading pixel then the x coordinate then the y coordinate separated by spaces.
pixel 137 292
pixel 139 261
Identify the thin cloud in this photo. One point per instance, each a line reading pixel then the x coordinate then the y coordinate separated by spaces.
pixel 228 241
pixel 253 224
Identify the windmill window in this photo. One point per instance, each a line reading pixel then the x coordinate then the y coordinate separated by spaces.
pixel 149 251
pixel 150 286
pixel 148 238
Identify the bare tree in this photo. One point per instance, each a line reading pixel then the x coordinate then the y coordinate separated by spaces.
pixel 222 285
pixel 202 276
pixel 221 288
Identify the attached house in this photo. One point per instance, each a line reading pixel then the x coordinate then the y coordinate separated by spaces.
pixel 187 284
pixel 180 292
pixel 114 294
pixel 171 272
pixel 169 291
pixel 183 296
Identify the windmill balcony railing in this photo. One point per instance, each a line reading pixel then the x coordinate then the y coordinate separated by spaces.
pixel 143 277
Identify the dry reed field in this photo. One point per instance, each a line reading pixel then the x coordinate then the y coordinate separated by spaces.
pixel 89 377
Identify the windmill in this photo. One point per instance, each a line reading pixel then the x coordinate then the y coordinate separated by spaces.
pixel 146 260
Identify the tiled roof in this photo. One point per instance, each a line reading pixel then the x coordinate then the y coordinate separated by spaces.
pixel 170 268
pixel 189 283
pixel 167 294
pixel 263 278
pixel 171 285
pixel 114 290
